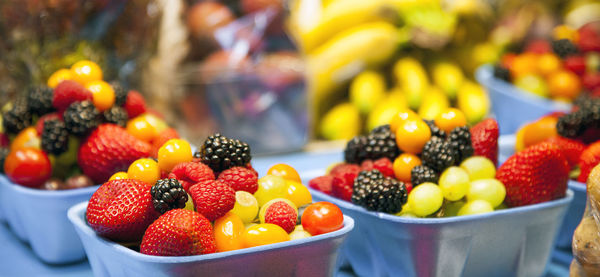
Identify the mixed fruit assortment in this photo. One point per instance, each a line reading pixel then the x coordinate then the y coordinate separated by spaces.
pixel 187 203
pixel 576 134
pixel 420 168
pixel 560 69
pixel 77 130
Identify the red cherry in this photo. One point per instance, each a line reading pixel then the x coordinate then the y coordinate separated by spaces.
pixel 322 217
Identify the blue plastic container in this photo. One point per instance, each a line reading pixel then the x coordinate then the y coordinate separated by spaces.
pixel 512 106
pixel 506 145
pixel 314 256
pixel 39 217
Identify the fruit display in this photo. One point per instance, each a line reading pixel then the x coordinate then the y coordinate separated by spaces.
pixel 209 201
pixel 77 130
pixel 561 68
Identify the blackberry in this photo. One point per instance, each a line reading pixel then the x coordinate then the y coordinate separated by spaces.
pixel 380 143
pixel 81 117
pixel 376 193
pixel 421 174
pixel 39 100
pixel 120 93
pixel 55 137
pixel 564 48
pixel 197 155
pixel 168 194
pixel 438 155
pixel 435 130
pixel 116 115
pixel 220 152
pixel 460 142
pixel 572 125
pixel 502 73
pixel 3 153
pixel 17 118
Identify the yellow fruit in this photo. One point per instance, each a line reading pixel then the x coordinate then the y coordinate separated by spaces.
pixel 299 233
pixel 86 71
pixel 145 170
pixel 400 117
pixel 412 79
pixel 473 101
pixel 366 90
pixel 246 206
pixel 59 76
pixel 565 32
pixel 103 94
pixel 174 152
pixel 228 231
pixel 119 175
pixel 263 234
pixel 385 110
pixel 449 77
pixel 341 122
pixel 298 193
pixel 434 102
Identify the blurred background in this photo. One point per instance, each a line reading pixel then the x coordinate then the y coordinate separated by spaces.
pixel 280 74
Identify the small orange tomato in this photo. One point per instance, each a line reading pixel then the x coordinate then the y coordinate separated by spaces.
pixel 228 231
pixel 284 171
pixel 403 165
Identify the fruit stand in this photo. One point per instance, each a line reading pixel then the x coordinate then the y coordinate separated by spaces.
pixel 299 138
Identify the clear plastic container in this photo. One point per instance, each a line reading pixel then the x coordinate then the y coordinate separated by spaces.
pixel 314 256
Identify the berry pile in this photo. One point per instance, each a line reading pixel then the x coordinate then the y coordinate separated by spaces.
pixel 77 130
pixel 186 203
pixel 560 69
pixel 415 167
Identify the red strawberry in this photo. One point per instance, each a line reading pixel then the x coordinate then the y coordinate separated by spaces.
pixel 212 199
pixel 121 210
pixel 109 149
pixel 39 126
pixel 589 158
pixel 322 183
pixel 340 167
pixel 409 187
pixel 385 166
pixel 135 104
pixel 240 178
pixel 282 214
pixel 596 92
pixel 576 64
pixel 537 174
pixel 163 137
pixel 343 181
pixel 179 232
pixel 67 92
pixel 538 46
pixel 191 173
pixel 367 165
pixel 570 148
pixel 591 80
pixel 484 137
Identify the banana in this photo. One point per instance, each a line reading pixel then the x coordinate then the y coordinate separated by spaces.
pixel 473 101
pixel 447 76
pixel 348 53
pixel 386 109
pixel 341 122
pixel 435 102
pixel 412 79
pixel 337 16
pixel 366 90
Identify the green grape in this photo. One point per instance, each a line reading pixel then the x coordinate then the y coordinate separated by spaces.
pixel 490 190
pixel 476 207
pixel 299 233
pixel 479 167
pixel 425 199
pixel 451 208
pixel 454 183
pixel 270 187
pixel 246 206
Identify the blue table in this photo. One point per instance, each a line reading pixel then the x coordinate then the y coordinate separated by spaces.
pixel 17 258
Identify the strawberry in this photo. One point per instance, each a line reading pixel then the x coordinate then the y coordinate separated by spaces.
pixel 484 137
pixel 179 232
pixel 163 137
pixel 570 148
pixel 282 214
pixel 576 64
pixel 121 210
pixel 212 199
pixel 39 126
pixel 538 46
pixel 537 174
pixel 340 167
pixel 588 159
pixel 109 149
pixel 343 181
pixel 135 104
pixel 240 178
pixel 322 183
pixel 591 80
pixel 384 165
pixel 68 92
pixel 191 173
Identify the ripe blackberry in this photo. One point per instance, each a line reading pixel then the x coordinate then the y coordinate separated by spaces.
pixel 435 130
pixel 438 155
pixel 168 194
pixel 55 137
pixel 377 193
pixel 460 141
pixel 17 118
pixel 120 93
pixel 220 152
pixel 3 153
pixel 39 100
pixel 81 117
pixel 380 143
pixel 421 174
pixel 116 115
pixel 564 48
pixel 501 72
